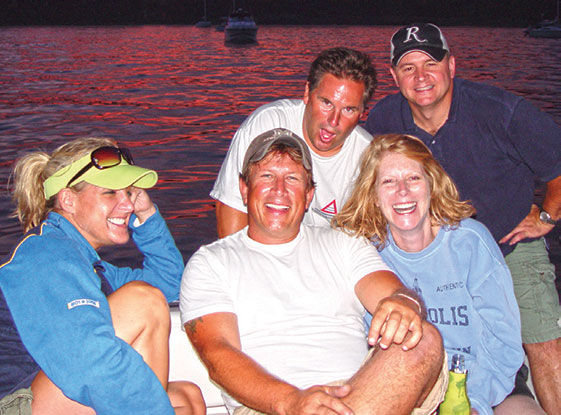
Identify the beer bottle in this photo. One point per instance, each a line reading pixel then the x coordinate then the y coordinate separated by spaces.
pixel 456 401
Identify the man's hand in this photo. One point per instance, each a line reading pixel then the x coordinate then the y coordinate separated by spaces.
pixel 396 319
pixel 143 206
pixel 530 227
pixel 317 400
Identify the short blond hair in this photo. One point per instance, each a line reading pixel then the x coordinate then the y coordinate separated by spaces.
pixel 361 216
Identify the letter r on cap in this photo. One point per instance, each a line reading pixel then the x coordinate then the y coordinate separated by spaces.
pixel 412 31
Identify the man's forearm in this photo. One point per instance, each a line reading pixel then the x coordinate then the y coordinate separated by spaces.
pixel 414 298
pixel 245 380
pixel 532 226
pixel 552 199
pixel 216 339
pixel 376 286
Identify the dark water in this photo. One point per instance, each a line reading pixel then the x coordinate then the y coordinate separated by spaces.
pixel 175 95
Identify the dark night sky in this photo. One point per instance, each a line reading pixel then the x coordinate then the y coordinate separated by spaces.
pixel 345 12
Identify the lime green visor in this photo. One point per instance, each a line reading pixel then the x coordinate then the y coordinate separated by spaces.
pixel 116 177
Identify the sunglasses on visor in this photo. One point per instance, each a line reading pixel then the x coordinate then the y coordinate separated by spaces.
pixel 104 158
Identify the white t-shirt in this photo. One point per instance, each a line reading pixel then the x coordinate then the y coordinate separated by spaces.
pixel 333 175
pixel 297 311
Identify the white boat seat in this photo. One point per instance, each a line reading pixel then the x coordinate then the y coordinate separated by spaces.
pixel 184 364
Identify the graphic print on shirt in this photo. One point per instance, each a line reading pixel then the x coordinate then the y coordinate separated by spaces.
pixel 328 211
pixel 448 316
pixel 450 286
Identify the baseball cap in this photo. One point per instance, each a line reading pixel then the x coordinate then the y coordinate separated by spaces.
pixel 261 144
pixel 119 176
pixel 418 37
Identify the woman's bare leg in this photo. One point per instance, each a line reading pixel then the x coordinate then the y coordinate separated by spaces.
pixel 48 399
pixel 141 318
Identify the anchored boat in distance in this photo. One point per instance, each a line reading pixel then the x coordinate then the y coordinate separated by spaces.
pixel 546 28
pixel 204 22
pixel 240 28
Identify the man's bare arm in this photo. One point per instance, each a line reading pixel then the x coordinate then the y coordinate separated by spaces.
pixel 216 339
pixel 396 318
pixel 229 220
pixel 552 200
pixel 531 226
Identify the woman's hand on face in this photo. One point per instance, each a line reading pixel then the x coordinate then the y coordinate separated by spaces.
pixel 143 206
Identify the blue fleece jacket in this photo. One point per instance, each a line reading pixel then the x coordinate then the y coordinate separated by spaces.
pixel 54 317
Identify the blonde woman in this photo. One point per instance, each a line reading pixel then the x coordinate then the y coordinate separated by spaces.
pixel 409 207
pixel 77 334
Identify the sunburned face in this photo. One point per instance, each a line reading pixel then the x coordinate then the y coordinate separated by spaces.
pixel 102 215
pixel 423 81
pixel 277 197
pixel 403 195
pixel 333 110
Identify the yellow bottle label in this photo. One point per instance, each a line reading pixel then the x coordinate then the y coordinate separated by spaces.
pixel 456 401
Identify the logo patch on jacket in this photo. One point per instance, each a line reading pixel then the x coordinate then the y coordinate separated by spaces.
pixel 81 302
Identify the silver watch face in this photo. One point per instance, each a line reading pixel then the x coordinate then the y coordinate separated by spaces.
pixel 544 217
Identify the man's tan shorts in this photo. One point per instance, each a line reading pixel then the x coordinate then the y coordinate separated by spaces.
pixel 533 277
pixel 17 403
pixel 429 406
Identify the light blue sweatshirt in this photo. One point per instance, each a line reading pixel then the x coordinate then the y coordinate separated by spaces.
pixel 467 288
pixel 51 303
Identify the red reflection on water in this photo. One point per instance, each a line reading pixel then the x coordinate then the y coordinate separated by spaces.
pixel 176 95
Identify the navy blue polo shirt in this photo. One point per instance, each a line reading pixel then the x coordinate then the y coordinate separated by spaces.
pixel 493 145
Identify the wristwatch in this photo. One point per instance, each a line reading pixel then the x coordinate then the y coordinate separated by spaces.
pixel 546 218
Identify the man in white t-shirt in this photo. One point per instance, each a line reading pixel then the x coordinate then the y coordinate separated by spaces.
pixel 276 310
pixel 340 83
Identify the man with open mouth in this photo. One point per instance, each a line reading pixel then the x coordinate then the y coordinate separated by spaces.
pixel 340 83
